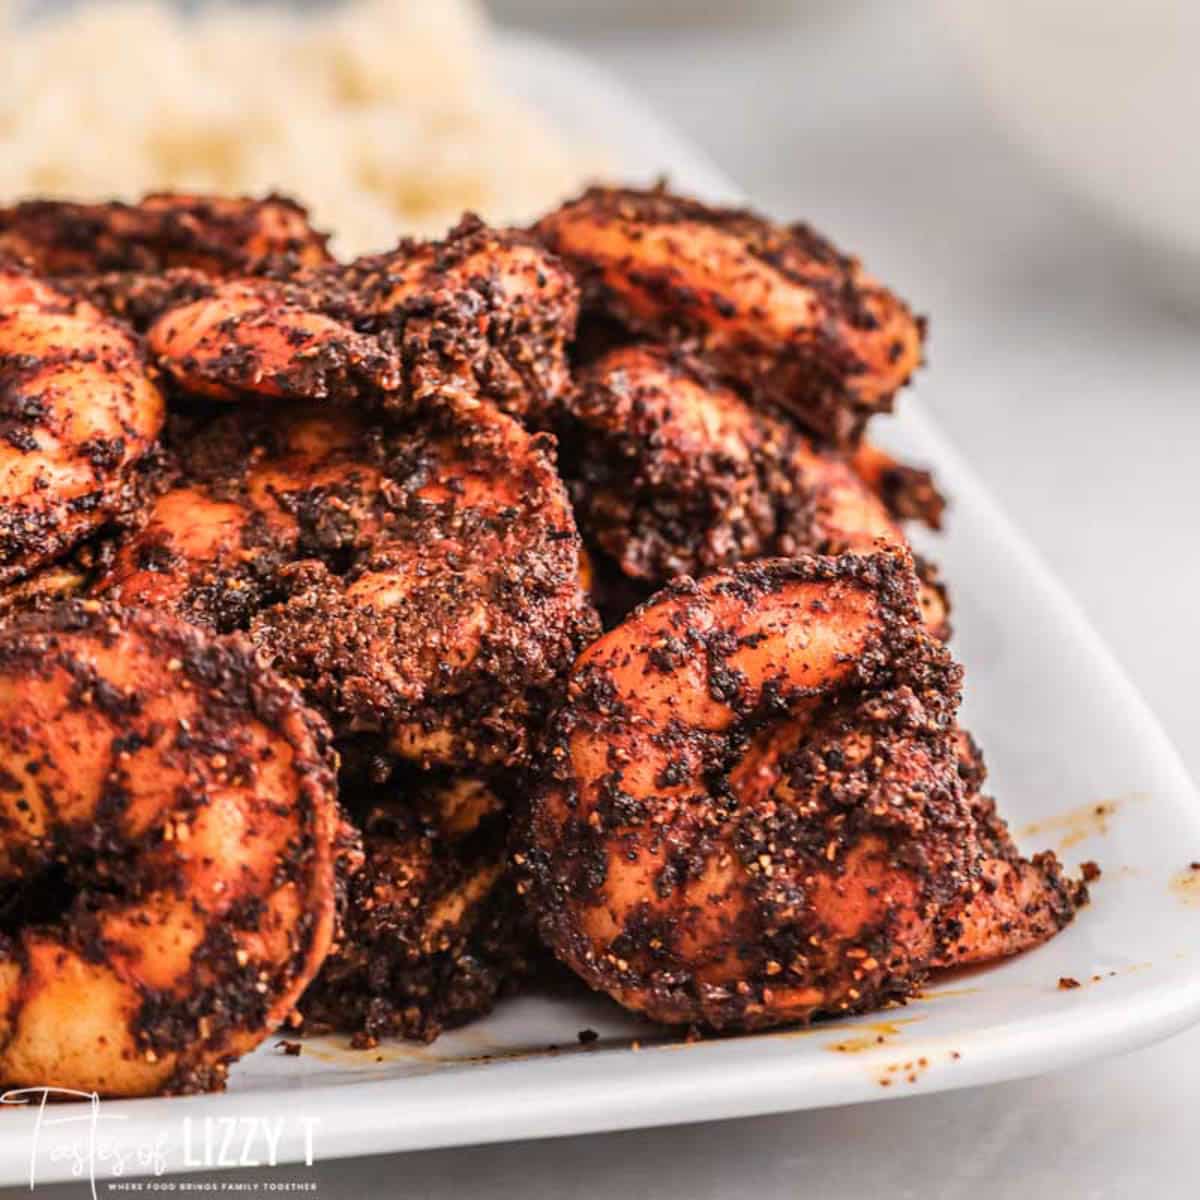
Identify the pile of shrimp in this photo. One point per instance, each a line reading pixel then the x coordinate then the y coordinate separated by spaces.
pixel 373 633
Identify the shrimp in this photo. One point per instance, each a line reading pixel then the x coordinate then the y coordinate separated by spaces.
pixel 486 313
pixel 79 414
pixel 434 929
pixel 257 337
pixel 777 309
pixel 752 811
pixel 215 235
pixel 487 309
pixel 166 864
pixel 422 582
pixel 452 629
pixel 673 472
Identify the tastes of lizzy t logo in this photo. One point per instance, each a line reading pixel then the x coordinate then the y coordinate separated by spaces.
pixel 87 1150
pixel 81 1136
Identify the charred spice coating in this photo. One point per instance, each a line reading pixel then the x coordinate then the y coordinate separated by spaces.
pixel 211 234
pixel 434 932
pixel 420 581
pixel 754 814
pixel 167 813
pixel 78 413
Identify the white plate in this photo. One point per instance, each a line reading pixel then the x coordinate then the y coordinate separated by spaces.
pixel 1064 732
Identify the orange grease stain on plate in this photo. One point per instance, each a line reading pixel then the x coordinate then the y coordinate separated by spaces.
pixel 818 1028
pixel 1078 824
pixel 342 1054
pixel 949 993
pixel 483 1051
pixel 866 1037
pixel 1186 885
pixel 390 1052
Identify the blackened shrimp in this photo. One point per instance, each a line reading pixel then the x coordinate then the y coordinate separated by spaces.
pixel 452 628
pixel 420 581
pixel 166 866
pixel 673 472
pixel 776 308
pixel 215 235
pixel 78 413
pixel 486 312
pixel 486 308
pixel 753 811
pixel 257 337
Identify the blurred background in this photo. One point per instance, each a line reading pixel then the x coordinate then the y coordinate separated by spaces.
pixel 1027 173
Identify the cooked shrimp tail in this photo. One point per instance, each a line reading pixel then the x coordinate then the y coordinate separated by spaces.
pixel 910 493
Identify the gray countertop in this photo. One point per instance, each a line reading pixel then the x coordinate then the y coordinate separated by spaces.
pixel 1069 380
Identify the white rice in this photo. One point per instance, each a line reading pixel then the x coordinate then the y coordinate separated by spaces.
pixel 383 116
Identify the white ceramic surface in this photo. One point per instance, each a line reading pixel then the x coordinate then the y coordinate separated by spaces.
pixel 1064 732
